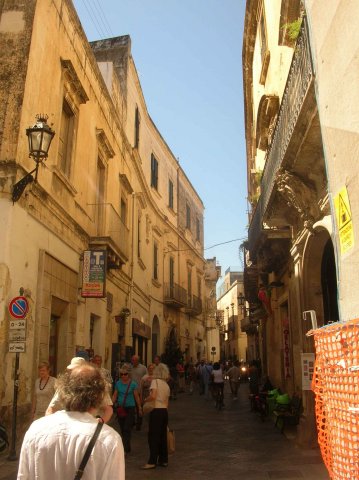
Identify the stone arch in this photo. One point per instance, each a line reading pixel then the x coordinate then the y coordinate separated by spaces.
pixel 155 337
pixel 318 249
pixel 320 277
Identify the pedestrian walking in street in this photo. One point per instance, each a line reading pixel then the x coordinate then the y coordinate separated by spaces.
pixel 192 377
pixel 125 398
pixel 233 374
pixel 54 446
pixel 181 377
pixel 158 419
pixel 218 385
pixel 137 372
pixel 204 376
pixel 105 411
pixel 43 392
pixel 253 377
pixel 97 360
pixel 146 381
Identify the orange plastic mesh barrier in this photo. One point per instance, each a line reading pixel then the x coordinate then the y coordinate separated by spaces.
pixel 336 387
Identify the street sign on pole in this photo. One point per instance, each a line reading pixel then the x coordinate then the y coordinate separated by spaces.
pixel 17 324
pixel 17 335
pixel 18 307
pixel 16 347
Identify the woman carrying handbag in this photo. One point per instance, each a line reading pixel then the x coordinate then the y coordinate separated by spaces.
pixel 158 418
pixel 126 398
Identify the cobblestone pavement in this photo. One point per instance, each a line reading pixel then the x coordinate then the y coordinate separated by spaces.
pixel 231 444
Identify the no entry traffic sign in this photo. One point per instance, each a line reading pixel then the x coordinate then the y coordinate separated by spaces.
pixel 18 307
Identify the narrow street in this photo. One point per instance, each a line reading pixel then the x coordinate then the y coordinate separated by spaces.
pixel 231 444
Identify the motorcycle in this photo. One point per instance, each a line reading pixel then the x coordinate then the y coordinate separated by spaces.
pixel 244 373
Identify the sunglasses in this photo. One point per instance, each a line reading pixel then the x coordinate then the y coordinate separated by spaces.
pixel 123 374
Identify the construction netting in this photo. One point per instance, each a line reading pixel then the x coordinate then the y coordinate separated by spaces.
pixel 336 387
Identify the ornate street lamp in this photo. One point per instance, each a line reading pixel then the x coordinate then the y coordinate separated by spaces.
pixel 39 137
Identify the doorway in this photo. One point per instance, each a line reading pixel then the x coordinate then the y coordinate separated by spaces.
pixel 53 344
pixel 320 279
pixel 329 284
pixel 58 335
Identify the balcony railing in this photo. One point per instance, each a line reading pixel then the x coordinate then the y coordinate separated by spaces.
pixel 194 305
pixel 112 232
pixel 175 295
pixel 299 80
pixel 248 326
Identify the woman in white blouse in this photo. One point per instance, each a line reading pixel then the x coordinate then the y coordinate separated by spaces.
pixel 158 420
pixel 43 392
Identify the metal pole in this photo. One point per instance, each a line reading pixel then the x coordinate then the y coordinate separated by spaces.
pixel 12 453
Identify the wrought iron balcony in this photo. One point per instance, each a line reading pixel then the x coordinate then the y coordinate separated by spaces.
pixel 249 326
pixel 194 305
pixel 112 234
pixel 175 295
pixel 299 80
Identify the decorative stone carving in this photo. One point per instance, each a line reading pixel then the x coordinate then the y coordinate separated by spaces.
pixel 148 228
pixel 266 119
pixel 272 255
pixel 299 196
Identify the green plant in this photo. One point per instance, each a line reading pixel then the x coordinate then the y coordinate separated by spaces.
pixel 172 354
pixel 253 199
pixel 293 28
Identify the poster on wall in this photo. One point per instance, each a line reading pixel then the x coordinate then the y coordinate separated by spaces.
pixel 343 216
pixel 94 274
pixel 307 370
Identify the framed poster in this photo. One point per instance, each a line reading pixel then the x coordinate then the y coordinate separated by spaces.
pixel 308 360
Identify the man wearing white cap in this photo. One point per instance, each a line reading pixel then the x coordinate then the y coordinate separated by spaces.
pixel 105 411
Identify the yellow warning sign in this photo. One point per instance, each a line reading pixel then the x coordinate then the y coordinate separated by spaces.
pixel 344 220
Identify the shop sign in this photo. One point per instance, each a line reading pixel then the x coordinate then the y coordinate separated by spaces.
pixel 140 328
pixel 94 274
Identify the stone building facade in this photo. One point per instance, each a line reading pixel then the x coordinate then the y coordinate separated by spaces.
pixel 212 316
pixel 299 60
pixel 233 337
pixel 111 189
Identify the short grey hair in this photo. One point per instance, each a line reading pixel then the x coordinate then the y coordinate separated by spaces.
pixel 161 371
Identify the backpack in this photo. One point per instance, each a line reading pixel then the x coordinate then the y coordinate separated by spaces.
pixel 4 440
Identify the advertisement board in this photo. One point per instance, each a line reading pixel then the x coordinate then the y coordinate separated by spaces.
pixel 94 274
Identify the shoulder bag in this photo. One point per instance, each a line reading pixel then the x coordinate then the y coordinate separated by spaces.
pixel 171 440
pixel 89 449
pixel 121 411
